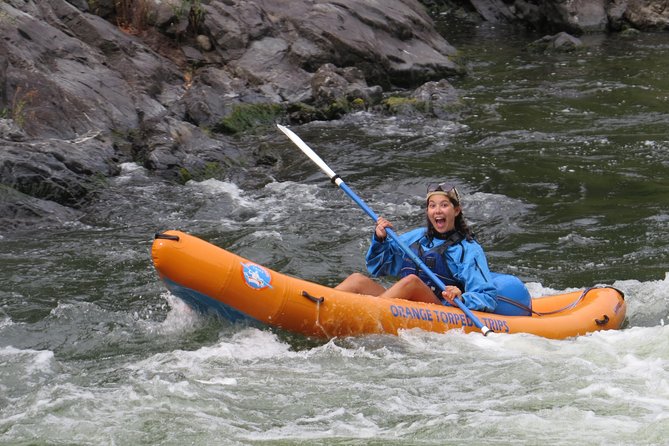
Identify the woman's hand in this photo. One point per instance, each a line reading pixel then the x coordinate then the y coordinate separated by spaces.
pixel 450 293
pixel 380 230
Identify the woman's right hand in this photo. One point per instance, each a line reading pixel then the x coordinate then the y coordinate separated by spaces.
pixel 451 293
pixel 380 230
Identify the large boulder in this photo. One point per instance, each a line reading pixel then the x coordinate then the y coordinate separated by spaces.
pixel 394 43
pixel 647 14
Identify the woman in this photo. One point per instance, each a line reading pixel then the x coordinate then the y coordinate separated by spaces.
pixel 446 246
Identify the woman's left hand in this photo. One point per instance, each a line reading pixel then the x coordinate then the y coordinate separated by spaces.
pixel 450 293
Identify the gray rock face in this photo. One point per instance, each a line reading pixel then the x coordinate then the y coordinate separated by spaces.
pixel 85 86
pixel 69 73
pixel 329 84
pixel 280 45
pixel 62 171
pixel 79 94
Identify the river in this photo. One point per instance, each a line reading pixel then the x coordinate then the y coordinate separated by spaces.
pixel 563 164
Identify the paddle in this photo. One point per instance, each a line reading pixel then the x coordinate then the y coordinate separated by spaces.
pixel 336 179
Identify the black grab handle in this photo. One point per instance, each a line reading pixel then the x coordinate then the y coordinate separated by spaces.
pixel 314 299
pixel 162 235
pixel 603 321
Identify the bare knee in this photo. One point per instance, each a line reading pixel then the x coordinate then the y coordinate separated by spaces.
pixel 361 284
pixel 405 286
pixel 411 287
pixel 358 277
pixel 411 280
pixel 351 281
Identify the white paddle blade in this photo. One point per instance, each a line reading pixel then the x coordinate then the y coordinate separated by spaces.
pixel 307 150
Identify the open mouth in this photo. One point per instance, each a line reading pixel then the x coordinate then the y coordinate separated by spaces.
pixel 439 223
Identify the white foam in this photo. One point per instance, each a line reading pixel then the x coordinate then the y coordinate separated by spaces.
pixel 218 382
pixel 180 319
pixel 6 322
pixel 33 361
pixel 214 188
pixel 263 234
pixel 129 168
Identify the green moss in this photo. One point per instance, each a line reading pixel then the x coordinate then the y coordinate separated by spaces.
pixel 397 101
pixel 299 113
pixel 21 107
pixel 245 117
pixel 184 175
pixel 398 104
pixel 337 109
pixel 358 104
pixel 98 182
pixel 7 19
pixel 301 107
pixel 212 169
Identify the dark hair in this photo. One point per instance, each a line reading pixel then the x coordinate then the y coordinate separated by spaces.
pixel 460 224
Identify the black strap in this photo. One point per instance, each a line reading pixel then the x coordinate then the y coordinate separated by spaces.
pixel 163 236
pixel 510 301
pixel 453 239
pixel 573 304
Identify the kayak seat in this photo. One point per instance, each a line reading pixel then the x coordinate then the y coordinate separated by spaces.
pixel 513 298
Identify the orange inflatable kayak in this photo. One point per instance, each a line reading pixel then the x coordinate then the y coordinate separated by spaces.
pixel 209 278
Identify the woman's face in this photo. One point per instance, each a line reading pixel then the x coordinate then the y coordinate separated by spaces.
pixel 442 213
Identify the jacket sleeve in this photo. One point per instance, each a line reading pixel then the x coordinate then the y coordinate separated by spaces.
pixel 385 258
pixel 471 268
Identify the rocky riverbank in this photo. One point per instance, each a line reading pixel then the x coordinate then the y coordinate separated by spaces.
pixel 87 86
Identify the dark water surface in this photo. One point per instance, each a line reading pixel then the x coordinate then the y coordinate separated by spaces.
pixel 563 164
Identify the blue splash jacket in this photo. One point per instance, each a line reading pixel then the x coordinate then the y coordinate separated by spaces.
pixel 465 259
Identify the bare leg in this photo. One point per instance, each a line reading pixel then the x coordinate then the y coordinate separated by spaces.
pixel 361 284
pixel 411 288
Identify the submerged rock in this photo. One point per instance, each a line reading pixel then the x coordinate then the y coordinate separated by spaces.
pixel 440 98
pixel 561 42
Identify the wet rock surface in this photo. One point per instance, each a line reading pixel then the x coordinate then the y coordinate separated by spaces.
pixel 87 86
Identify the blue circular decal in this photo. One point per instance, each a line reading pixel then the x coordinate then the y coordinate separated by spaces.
pixel 256 276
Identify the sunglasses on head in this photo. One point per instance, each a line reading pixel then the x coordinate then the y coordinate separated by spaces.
pixel 447 188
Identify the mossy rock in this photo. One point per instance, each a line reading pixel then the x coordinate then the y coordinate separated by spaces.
pixel 301 113
pixel 210 169
pixel 399 105
pixel 245 117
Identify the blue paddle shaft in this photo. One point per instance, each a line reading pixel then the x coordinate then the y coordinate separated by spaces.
pixel 336 179
pixel 407 250
pixel 395 238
